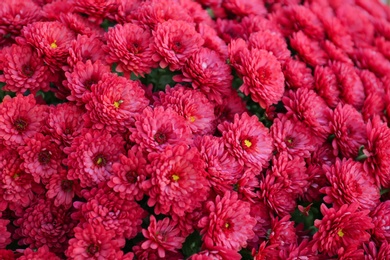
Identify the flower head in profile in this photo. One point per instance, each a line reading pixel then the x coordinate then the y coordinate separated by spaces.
pixel 42 252
pixel 380 218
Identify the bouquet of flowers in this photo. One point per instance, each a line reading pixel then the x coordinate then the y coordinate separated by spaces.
pixel 181 129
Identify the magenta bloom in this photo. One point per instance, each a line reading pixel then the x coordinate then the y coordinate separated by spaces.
pixel 177 183
pixel 20 118
pixel 60 189
pixel 163 235
pixel 131 47
pixel 380 218
pixel 5 236
pixel 270 41
pixel 248 140
pixel 175 42
pixel 228 222
pixel 346 227
pixel 91 155
pixel 42 252
pixel 95 9
pixel 94 242
pixel 297 75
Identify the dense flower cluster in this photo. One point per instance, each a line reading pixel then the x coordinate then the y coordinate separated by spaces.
pixel 181 129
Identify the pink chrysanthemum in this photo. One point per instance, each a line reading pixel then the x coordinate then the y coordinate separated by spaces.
pixel 5 236
pixel 114 102
pixel 9 255
pixel 207 71
pixel 378 151
pixel 349 131
pixel 223 170
pixel 152 254
pixel 380 218
pixel 283 233
pixel 82 78
pixel 64 123
pixel 178 181
pixel 175 42
pixel 96 9
pixel 20 118
pixel 80 25
pixel 293 137
pixel 297 74
pixel 228 222
pixel 44 224
pixel 346 227
pixel 85 48
pixel 272 42
pixel 158 128
pixel 91 155
pixel 128 175
pixel 212 41
pixel 248 140
pixel 229 30
pixel 162 235
pixel 105 207
pixel 308 50
pixel 94 242
pixel 350 183
pixel 14 15
pixel 131 47
pixel 61 190
pixel 244 7
pixel 51 40
pixel 23 70
pixel 192 105
pixel 40 253
pixel 213 252
pixel 369 58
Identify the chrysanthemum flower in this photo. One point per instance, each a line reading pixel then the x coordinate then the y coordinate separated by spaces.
pixel 257 23
pixel 64 123
pixel 14 15
pixel 178 180
pixel 175 42
pixel 61 190
pixel 283 233
pixel 346 227
pixel 297 74
pixel 96 9
pixel 380 218
pixel 94 242
pixel 41 157
pixel 131 47
pixel 244 7
pixel 114 102
pixel 212 41
pixel 80 25
pixel 213 252
pixel 23 70
pixel 308 50
pixel 248 140
pixel 20 118
pixel 230 106
pixel 207 71
pixel 292 137
pixel 44 224
pixel 350 183
pixel 82 78
pixel 349 131
pixel 228 223
pixel 192 105
pixel 50 39
pixel 128 175
pixel 223 170
pixel 163 235
pixel 5 236
pixel 42 252
pixel 374 61
pixel 85 48
pixel 91 155
pixel 158 128
pixel 272 42
pixel 105 207
pixel 7 254
pixel 152 254
pixel 229 30
pixel 373 251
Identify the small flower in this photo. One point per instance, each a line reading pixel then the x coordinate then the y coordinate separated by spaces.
pixel 42 252
pixel 61 190
pixel 5 236
pixel 380 218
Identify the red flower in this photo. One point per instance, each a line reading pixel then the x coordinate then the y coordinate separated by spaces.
pixel 44 224
pixel 177 183
pixel 244 7
pixel 79 24
pixel 24 70
pixel 369 58
pixel 91 155
pixel 380 218
pixel 192 105
pixel 228 223
pixel 5 236
pixel 131 47
pixel 42 252
pixel 51 40
pixel 96 9
pixel 163 235
pixel 20 118
pixel 207 71
pixel 283 233
pixel 94 242
pixel 308 49
pixel 158 128
pixel 114 102
pixel 350 183
pixel 61 190
pixel 248 140
pixel 175 42
pixel 270 41
pixel 8 254
pixel 345 227
pixel 297 75
pixel 212 41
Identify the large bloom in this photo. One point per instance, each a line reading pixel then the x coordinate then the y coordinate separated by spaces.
pixel 346 227
pixel 178 183
pixel 20 118
pixel 381 219
pixel 248 140
pixel 227 222
pixel 350 183
pixel 5 236
pixel 91 155
pixel 42 252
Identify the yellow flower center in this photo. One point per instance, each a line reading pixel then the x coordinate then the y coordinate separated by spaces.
pixel 175 177
pixel 117 103
pixel 192 119
pixel 247 143
pixel 340 233
pixel 227 225
pixel 99 160
pixel 15 176
pixel 54 44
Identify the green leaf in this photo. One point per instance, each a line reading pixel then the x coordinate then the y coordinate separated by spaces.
pixel 246 254
pixel 192 244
